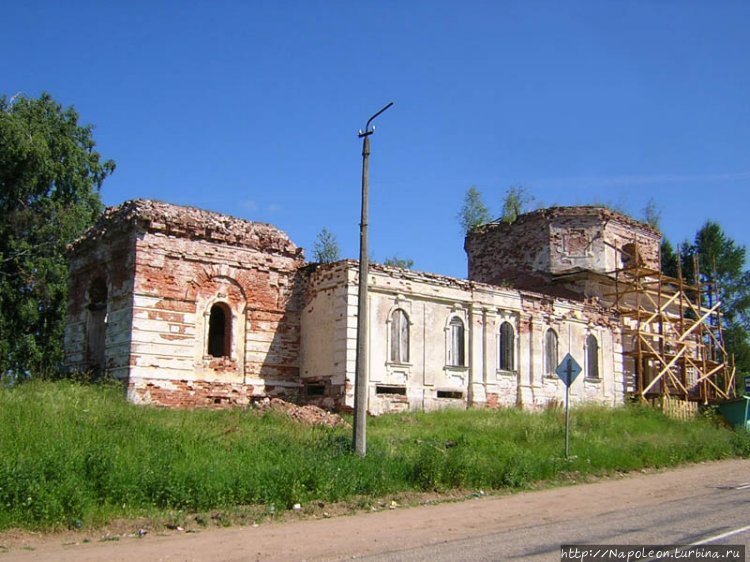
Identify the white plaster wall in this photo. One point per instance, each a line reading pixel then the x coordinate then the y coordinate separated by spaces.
pixel 430 302
pixel 324 328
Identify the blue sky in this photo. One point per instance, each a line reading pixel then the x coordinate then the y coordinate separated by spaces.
pixel 252 108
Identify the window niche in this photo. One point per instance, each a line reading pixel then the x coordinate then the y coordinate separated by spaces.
pixel 506 348
pixel 96 325
pixel 219 331
pixel 592 357
pixel 551 359
pixel 399 337
pixel 456 343
pixel 630 256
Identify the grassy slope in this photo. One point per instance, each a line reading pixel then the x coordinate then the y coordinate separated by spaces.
pixel 73 455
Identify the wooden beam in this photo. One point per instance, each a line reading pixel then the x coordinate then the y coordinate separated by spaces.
pixel 699 322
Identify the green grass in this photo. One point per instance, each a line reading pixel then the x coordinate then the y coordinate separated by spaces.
pixel 73 455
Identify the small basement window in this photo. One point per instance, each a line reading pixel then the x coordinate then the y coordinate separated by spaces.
pixel 315 390
pixel 384 389
pixel 453 394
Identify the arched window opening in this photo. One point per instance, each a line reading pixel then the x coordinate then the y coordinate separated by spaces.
pixel 630 256
pixel 399 337
pixel 550 352
pixel 507 347
pixel 456 349
pixel 96 325
pixel 592 357
pixel 219 331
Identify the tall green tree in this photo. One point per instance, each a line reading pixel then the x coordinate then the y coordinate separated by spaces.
pixel 721 263
pixel 473 211
pixel 326 248
pixel 669 259
pixel 50 176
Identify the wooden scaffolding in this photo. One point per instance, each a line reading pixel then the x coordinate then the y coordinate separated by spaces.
pixel 672 333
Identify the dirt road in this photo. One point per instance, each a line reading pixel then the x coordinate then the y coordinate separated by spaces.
pixel 402 529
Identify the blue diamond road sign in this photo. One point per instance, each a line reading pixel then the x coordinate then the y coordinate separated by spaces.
pixel 568 370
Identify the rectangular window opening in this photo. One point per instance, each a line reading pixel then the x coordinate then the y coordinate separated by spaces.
pixel 384 389
pixel 315 390
pixel 453 394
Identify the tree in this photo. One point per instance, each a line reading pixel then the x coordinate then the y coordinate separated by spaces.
pixel 721 264
pixel 326 249
pixel 473 212
pixel 652 217
pixel 403 263
pixel 50 176
pixel 669 258
pixel 515 203
pixel 652 214
pixel 737 343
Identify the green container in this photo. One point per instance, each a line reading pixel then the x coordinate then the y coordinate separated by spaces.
pixel 736 411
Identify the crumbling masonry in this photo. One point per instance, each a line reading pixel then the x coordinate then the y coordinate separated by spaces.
pixel 194 308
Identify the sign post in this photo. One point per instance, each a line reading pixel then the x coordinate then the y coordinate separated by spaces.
pixel 568 370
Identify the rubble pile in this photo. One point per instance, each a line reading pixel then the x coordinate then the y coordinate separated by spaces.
pixel 308 415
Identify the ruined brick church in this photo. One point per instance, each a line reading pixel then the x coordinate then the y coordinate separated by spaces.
pixel 193 308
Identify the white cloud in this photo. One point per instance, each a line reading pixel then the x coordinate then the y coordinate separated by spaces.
pixel 635 180
pixel 250 205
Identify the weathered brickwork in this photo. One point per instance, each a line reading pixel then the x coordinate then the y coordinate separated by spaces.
pixel 100 304
pixel 183 264
pixel 196 309
pixel 544 249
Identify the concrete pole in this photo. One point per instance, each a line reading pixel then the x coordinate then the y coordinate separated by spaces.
pixel 361 380
pixel 362 375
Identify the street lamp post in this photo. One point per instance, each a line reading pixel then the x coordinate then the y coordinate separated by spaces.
pixel 361 376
